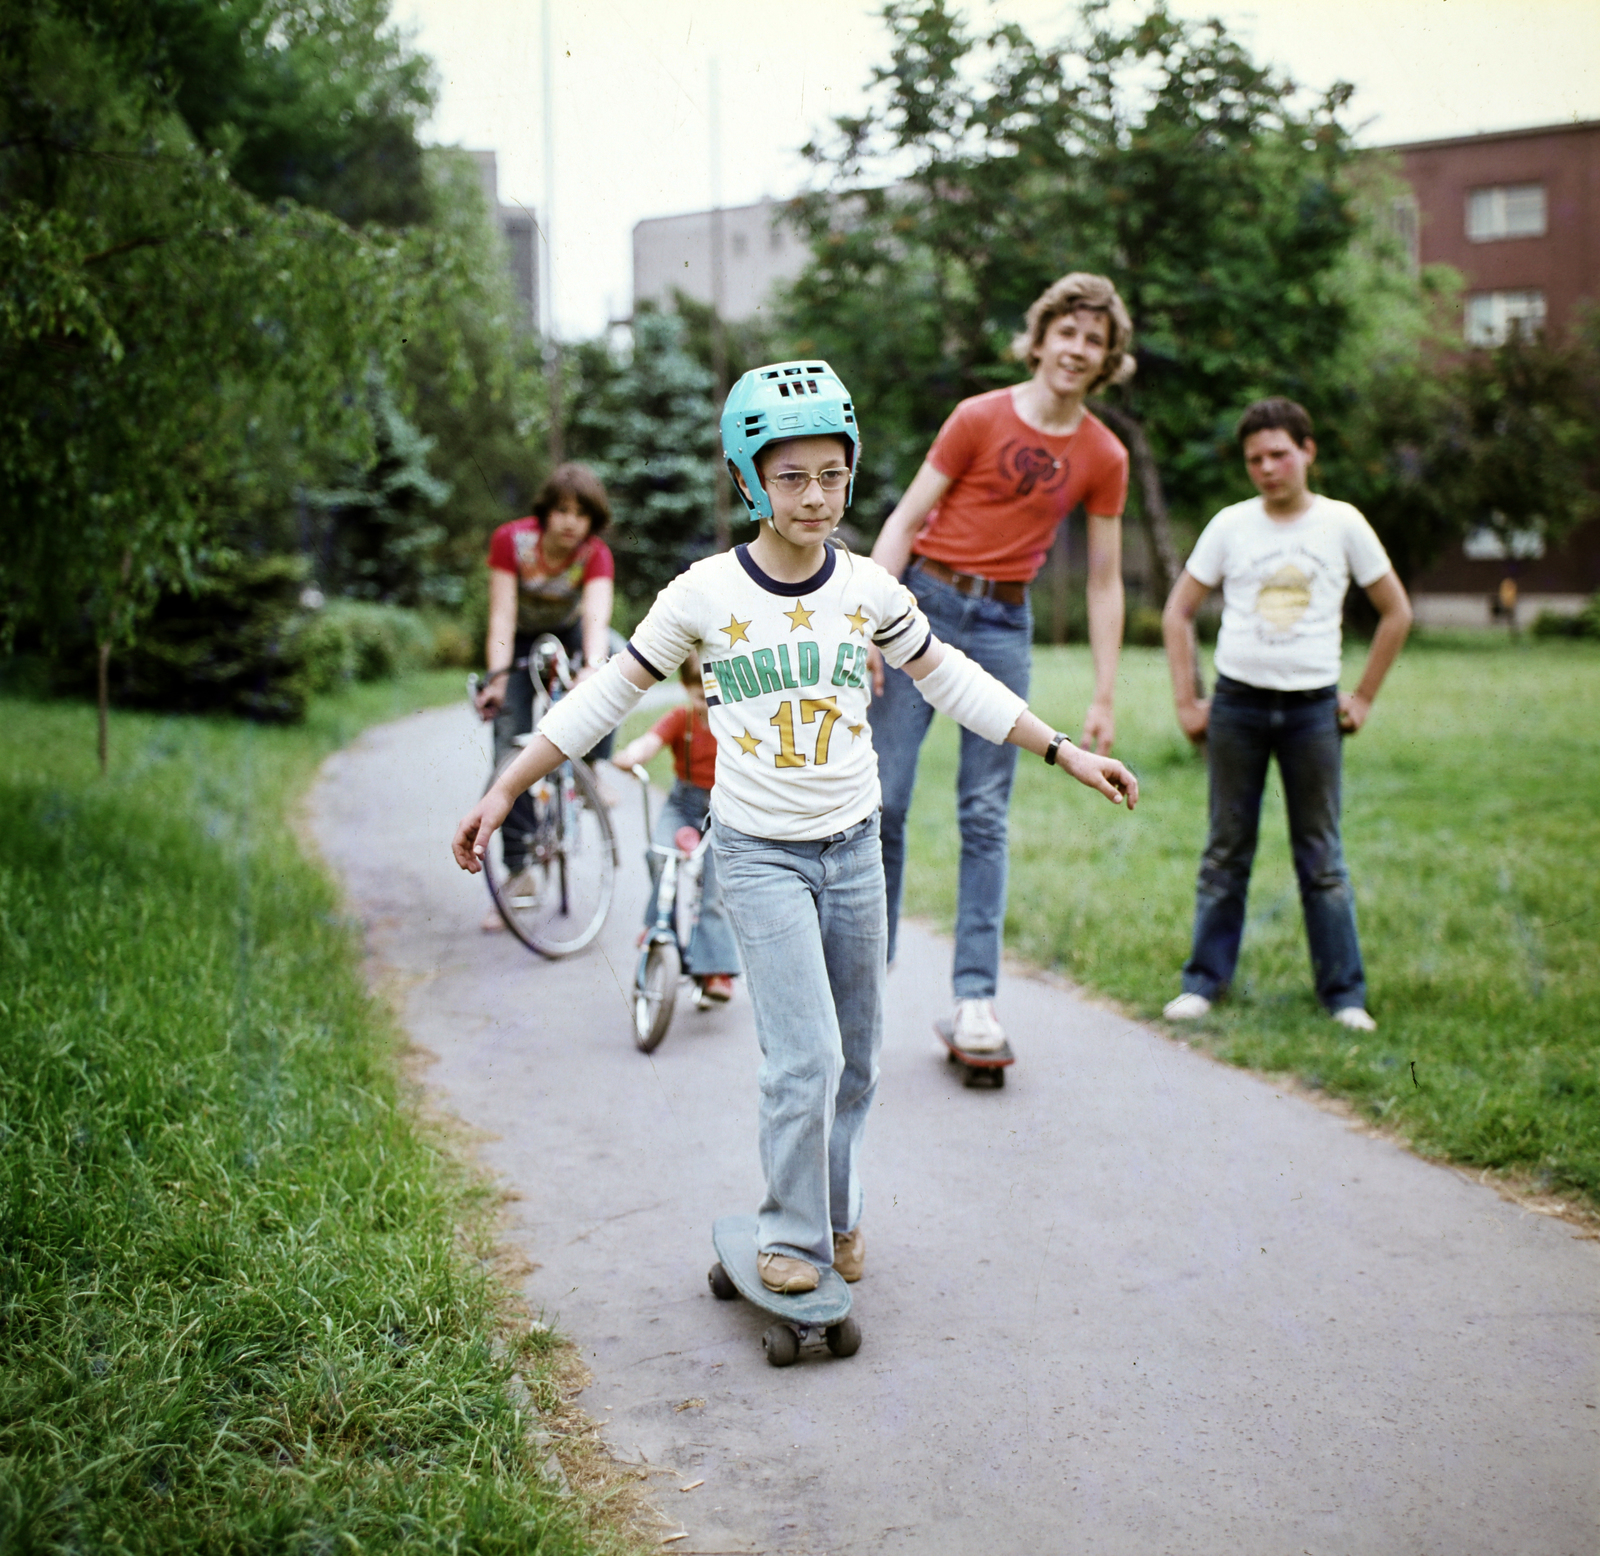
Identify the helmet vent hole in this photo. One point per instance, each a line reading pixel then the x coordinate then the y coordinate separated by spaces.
pixel 783 389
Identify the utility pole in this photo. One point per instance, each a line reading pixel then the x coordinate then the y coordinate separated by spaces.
pixel 552 346
pixel 719 339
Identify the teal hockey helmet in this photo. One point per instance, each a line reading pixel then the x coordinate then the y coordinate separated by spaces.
pixel 803 399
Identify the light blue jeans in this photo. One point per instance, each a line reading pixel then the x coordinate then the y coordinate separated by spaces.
pixel 1000 638
pixel 809 919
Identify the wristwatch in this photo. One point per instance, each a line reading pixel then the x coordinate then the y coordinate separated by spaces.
pixel 1054 746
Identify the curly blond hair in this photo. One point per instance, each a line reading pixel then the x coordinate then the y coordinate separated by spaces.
pixel 1067 296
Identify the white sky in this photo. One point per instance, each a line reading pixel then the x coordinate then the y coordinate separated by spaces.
pixel 632 121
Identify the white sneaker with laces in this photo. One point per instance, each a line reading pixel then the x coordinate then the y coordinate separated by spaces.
pixel 1354 1017
pixel 1187 1007
pixel 975 1029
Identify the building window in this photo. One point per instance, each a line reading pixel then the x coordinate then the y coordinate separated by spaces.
pixel 1508 211
pixel 740 245
pixel 1405 224
pixel 1493 317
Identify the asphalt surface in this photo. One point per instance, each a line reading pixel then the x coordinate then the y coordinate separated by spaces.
pixel 1136 1302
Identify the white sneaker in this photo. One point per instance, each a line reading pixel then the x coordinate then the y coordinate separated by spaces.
pixel 1354 1017
pixel 1187 1007
pixel 976 1030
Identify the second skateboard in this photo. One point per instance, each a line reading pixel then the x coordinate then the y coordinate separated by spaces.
pixel 979 1069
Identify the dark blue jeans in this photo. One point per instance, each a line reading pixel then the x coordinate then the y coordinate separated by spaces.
pixel 1248 727
pixel 999 637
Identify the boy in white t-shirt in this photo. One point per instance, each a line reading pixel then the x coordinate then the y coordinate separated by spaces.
pixel 782 626
pixel 1284 561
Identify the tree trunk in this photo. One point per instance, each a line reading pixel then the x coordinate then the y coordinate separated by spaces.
pixel 1153 510
pixel 103 698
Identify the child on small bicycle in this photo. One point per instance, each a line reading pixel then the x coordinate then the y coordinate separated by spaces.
pixel 712 957
pixel 782 624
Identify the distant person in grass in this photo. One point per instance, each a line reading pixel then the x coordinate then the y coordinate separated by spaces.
pixel 782 624
pixel 712 958
pixel 1284 562
pixel 968 537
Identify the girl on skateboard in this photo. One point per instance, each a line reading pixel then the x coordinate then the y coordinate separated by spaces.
pixel 782 625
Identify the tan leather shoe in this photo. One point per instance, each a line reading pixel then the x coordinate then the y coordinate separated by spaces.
pixel 787 1276
pixel 849 1253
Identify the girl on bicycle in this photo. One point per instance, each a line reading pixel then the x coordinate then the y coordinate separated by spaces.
pixel 712 957
pixel 782 625
pixel 548 573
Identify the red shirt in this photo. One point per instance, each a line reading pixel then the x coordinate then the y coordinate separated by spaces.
pixel 547 600
pixel 1012 485
pixel 694 747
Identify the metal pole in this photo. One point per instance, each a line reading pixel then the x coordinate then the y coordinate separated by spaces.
pixel 719 339
pixel 552 346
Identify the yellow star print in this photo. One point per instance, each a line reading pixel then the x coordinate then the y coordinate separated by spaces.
pixel 748 743
pixel 855 730
pixel 858 621
pixel 799 617
pixel 735 631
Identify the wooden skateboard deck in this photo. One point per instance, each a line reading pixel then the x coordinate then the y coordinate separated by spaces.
pixel 986 1069
pixel 823 1314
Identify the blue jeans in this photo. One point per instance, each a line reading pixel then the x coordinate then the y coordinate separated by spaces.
pixel 809 919
pixel 711 949
pixel 1248 727
pixel 999 637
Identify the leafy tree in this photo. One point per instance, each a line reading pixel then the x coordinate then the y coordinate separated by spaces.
pixel 166 337
pixel 1159 154
pixel 379 536
pixel 316 101
pixel 643 415
pixel 474 379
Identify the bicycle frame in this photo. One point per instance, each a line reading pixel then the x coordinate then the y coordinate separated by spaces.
pixel 560 802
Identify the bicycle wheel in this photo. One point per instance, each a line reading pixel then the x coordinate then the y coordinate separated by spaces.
pixel 655 992
pixel 552 873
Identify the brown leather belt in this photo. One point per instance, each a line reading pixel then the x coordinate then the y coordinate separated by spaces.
pixel 1007 591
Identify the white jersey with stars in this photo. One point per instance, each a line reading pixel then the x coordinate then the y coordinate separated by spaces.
pixel 786 682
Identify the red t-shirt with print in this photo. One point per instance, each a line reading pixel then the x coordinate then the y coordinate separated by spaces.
pixel 547 599
pixel 1012 485
pixel 694 747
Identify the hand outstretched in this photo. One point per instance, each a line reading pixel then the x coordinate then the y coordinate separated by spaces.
pixel 1103 773
pixel 475 829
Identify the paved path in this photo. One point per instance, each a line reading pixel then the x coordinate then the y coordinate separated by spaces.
pixel 1137 1302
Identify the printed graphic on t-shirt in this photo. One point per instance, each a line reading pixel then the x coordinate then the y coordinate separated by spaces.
pixel 1285 597
pixel 1034 467
pixel 1289 578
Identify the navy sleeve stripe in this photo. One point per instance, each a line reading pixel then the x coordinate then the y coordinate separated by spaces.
pixel 927 643
pixel 650 668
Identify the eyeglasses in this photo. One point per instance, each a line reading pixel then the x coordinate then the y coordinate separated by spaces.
pixel 794 483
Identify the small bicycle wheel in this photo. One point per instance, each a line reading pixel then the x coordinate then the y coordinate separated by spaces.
pixel 655 992
pixel 552 871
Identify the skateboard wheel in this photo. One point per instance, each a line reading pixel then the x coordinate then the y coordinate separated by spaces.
pixel 721 1284
pixel 781 1344
pixel 844 1337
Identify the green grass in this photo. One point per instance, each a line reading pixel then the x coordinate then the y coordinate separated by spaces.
pixel 245 1298
pixel 1472 831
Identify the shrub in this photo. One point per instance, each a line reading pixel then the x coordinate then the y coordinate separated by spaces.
pixel 1560 624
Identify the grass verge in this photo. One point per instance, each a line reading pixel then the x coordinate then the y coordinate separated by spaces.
pixel 247 1303
pixel 1472 828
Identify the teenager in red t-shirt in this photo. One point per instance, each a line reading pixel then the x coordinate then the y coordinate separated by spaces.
pixel 712 956
pixel 968 537
pixel 550 572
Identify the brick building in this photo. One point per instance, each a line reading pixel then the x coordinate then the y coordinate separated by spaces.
pixel 1518 214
